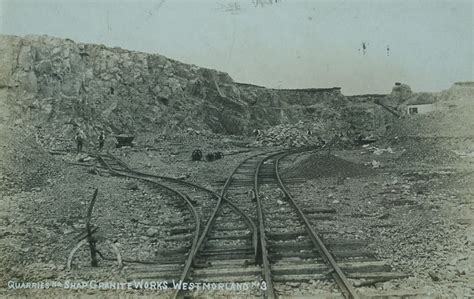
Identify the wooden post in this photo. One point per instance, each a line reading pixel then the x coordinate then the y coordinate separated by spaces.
pixel 90 238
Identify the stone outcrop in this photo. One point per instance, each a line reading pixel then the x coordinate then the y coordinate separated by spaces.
pixel 52 81
pixel 61 85
pixel 270 107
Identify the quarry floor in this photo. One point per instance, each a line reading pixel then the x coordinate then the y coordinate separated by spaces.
pixel 416 215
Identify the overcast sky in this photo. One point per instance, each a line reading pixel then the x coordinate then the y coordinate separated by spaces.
pixel 289 44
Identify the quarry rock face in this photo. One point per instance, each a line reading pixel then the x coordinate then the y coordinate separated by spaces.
pixel 63 85
pixel 325 110
pixel 59 81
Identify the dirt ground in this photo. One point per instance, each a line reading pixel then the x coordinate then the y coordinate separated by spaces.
pixel 417 216
pixel 414 213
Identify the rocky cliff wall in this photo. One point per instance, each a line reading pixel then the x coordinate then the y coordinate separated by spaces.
pixel 57 82
pixel 61 85
pixel 269 107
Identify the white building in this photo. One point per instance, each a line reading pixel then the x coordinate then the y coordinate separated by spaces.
pixel 420 104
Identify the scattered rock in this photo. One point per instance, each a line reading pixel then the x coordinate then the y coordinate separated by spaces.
pixel 319 165
pixel 152 231
pixel 375 164
pixel 433 276
pixel 81 157
pixel 293 284
pixel 93 170
pixel 291 135
pixel 131 186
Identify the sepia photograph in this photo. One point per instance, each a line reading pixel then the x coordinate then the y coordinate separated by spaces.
pixel 237 149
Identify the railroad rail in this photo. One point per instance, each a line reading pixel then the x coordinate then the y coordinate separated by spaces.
pixel 283 246
pixel 235 262
pixel 239 186
pixel 118 167
pixel 184 197
pixel 292 249
pixel 176 181
pixel 340 278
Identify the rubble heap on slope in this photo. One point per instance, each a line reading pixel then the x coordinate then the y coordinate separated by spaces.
pixel 290 135
pixel 320 165
pixel 24 164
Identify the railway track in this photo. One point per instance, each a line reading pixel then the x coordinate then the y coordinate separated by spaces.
pixel 292 250
pixel 226 250
pixel 261 238
pixel 171 261
pixel 207 210
pixel 295 251
pixel 232 257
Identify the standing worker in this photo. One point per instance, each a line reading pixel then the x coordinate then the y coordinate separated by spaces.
pixel 79 140
pixel 101 140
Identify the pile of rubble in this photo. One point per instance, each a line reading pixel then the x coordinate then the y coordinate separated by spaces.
pixel 24 165
pixel 290 135
pixel 320 165
pixel 426 150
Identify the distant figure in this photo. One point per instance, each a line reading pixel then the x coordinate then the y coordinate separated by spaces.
pixel 79 140
pixel 101 140
pixel 308 132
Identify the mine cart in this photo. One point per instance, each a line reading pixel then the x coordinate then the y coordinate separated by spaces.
pixel 361 139
pixel 123 140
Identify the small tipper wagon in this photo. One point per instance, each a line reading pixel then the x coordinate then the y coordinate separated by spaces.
pixel 123 140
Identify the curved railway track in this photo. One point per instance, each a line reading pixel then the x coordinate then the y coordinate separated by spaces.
pixel 237 261
pixel 172 264
pixel 262 237
pixel 226 250
pixel 203 208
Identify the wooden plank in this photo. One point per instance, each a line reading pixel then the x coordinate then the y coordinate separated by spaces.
pixel 154 275
pixel 226 272
pixel 226 263
pixel 338 254
pixel 245 235
pixel 166 252
pixel 180 229
pixel 319 210
pixel 377 275
pixel 307 277
pixel 156 268
pixel 179 237
pixel 348 267
pixel 308 245
pixel 237 278
pixel 212 256
pixel 217 249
